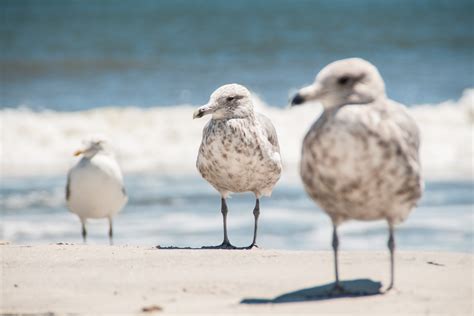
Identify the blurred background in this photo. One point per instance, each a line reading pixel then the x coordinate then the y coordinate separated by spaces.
pixel 136 70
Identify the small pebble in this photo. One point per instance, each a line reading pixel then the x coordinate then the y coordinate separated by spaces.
pixel 151 309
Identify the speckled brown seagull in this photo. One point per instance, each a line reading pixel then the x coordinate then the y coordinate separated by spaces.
pixel 239 150
pixel 360 158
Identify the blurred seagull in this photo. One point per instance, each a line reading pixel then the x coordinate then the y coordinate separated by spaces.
pixel 239 150
pixel 360 158
pixel 95 186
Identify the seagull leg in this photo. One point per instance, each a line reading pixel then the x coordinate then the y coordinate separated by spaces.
pixel 224 210
pixel 335 246
pixel 391 247
pixel 226 243
pixel 256 213
pixel 111 232
pixel 84 231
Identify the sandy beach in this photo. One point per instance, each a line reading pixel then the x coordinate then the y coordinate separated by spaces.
pixel 89 279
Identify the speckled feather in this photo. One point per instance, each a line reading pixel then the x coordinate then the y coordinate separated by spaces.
pixel 361 162
pixel 240 154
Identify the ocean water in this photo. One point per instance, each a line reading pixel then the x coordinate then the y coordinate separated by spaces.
pixel 73 55
pixel 136 70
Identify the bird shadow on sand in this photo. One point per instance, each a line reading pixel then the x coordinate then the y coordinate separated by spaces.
pixel 176 248
pixel 201 248
pixel 352 288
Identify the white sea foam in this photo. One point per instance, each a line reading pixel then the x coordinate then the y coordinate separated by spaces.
pixel 166 139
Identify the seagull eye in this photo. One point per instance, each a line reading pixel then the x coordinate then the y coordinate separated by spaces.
pixel 343 80
pixel 230 98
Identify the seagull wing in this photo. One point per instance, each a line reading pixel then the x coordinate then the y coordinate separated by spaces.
pixel 410 133
pixel 269 131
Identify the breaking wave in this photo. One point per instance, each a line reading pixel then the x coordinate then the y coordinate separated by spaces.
pixel 165 140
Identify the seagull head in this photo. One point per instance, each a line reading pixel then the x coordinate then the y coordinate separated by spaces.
pixel 228 101
pixel 93 146
pixel 346 81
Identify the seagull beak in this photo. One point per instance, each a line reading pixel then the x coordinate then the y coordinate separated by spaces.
pixel 297 100
pixel 309 93
pixel 78 152
pixel 203 110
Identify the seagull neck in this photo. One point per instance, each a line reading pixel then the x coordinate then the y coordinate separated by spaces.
pixel 250 116
pixel 330 111
pixel 98 153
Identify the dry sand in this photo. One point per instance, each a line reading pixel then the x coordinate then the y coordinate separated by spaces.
pixel 85 279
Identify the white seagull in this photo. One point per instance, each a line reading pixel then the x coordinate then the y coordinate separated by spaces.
pixel 360 159
pixel 95 186
pixel 239 150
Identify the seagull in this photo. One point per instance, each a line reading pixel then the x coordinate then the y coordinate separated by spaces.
pixel 95 186
pixel 360 159
pixel 239 151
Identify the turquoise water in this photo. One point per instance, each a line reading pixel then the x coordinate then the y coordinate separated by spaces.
pixel 171 211
pixel 73 55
